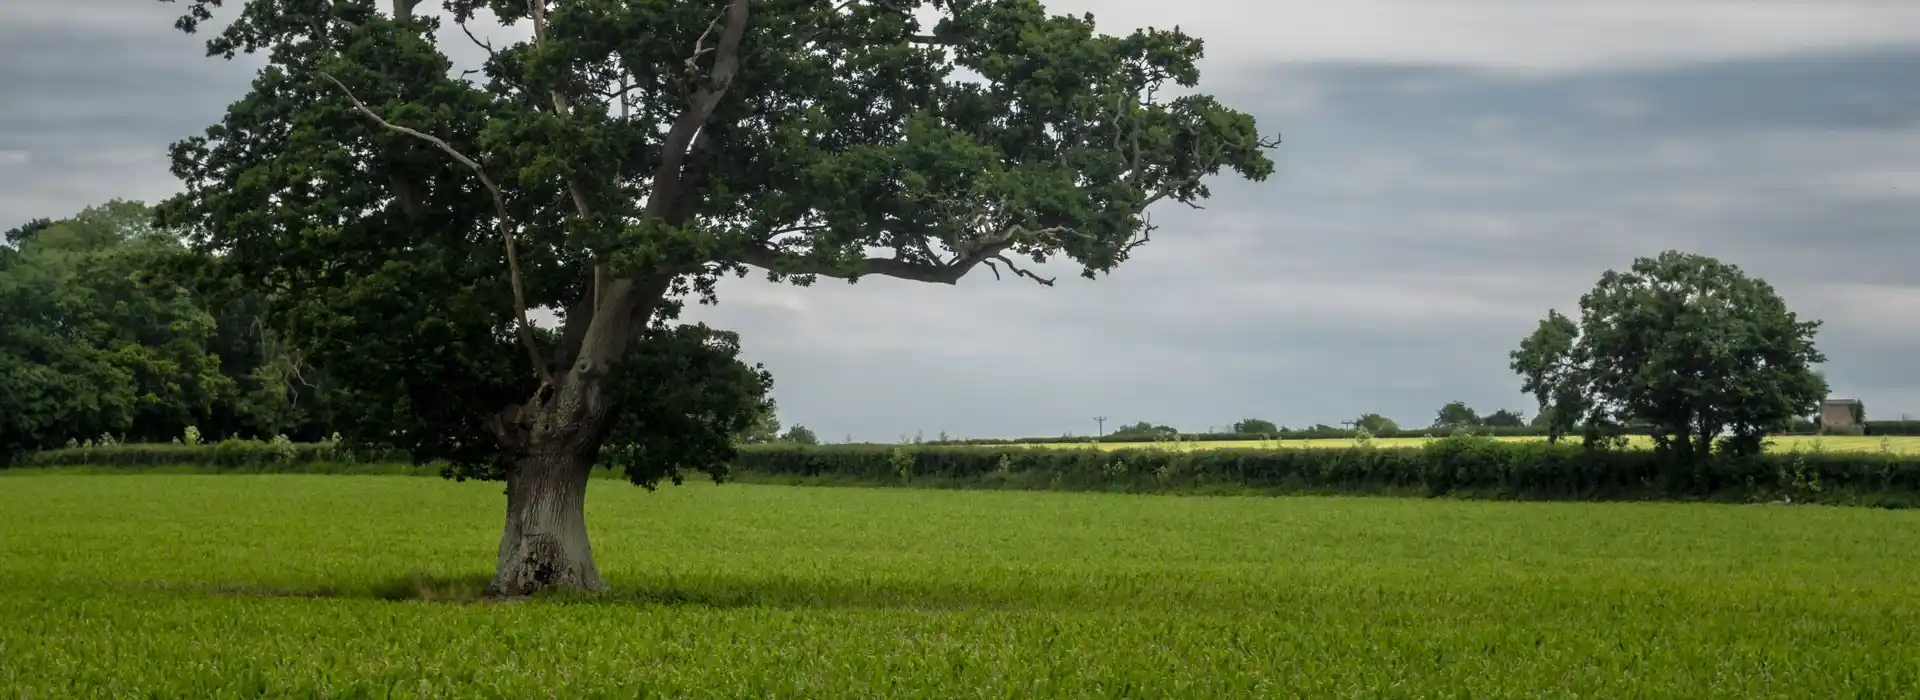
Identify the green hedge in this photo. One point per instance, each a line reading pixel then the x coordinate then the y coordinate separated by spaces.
pixel 1461 466
pixel 1893 428
pixel 227 453
pixel 1475 467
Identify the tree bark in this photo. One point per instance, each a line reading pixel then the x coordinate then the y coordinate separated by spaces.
pixel 544 545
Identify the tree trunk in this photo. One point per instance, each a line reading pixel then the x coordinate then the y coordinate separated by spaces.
pixel 544 545
pixel 553 441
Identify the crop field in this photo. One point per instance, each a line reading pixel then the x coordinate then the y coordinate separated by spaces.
pixel 362 587
pixel 1784 443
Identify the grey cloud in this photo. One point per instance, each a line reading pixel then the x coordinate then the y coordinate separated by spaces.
pixel 94 93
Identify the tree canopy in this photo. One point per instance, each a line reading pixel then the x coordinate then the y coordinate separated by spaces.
pixel 1684 344
pixel 1504 418
pixel 634 151
pixel 403 221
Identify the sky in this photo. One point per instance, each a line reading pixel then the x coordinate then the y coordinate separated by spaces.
pixel 1449 171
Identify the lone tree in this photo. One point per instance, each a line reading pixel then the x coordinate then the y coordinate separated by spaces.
pixel 623 159
pixel 1686 345
pixel 1259 426
pixel 1376 424
pixel 1456 414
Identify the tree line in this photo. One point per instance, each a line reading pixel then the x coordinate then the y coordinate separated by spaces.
pixel 105 337
pixel 109 336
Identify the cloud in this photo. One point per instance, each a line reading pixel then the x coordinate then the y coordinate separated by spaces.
pixel 1449 172
pixel 1519 36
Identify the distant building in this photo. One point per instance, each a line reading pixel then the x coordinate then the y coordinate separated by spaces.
pixel 1842 417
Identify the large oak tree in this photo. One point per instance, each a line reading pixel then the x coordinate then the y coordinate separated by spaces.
pixel 624 158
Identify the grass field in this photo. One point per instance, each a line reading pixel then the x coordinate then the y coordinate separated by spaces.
pixel 1784 443
pixel 354 586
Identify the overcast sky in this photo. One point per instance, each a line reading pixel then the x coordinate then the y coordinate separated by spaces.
pixel 1451 170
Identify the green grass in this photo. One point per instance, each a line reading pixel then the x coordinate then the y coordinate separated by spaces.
pixel 361 586
pixel 1782 443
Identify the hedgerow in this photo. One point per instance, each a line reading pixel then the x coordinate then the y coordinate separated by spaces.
pixel 1457 466
pixel 1462 466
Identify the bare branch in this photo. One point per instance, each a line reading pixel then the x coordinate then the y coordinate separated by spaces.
pixel 1004 260
pixel 700 45
pixel 525 329
pixel 488 47
pixel 949 272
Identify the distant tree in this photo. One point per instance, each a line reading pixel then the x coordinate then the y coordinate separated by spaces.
pixel 802 435
pixel 1376 424
pixel 765 427
pixel 1691 348
pixel 1144 430
pixel 1504 418
pixel 1255 426
pixel 1545 362
pixel 1456 414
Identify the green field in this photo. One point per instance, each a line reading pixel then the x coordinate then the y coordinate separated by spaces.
pixel 1784 443
pixel 359 586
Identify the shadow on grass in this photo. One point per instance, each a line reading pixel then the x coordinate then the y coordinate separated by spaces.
pixel 706 591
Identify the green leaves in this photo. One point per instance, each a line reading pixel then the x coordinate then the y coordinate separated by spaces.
pixel 97 338
pixel 692 397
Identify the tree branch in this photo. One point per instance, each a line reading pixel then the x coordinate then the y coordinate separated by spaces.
pixel 950 272
pixel 1004 260
pixel 525 329
pixel 673 149
pixel 403 9
pixel 485 46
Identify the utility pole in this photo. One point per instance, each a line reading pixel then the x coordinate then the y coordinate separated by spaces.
pixel 1101 423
